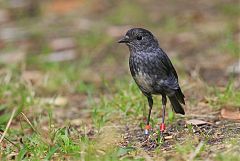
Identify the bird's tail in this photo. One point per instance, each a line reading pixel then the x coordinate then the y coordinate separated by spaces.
pixel 177 107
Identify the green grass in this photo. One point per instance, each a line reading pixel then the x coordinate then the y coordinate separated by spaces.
pixel 229 96
pixel 124 103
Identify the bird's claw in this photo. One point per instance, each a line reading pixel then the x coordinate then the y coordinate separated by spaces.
pixel 146 132
pixel 147 129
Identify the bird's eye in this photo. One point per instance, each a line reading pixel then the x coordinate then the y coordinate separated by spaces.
pixel 139 37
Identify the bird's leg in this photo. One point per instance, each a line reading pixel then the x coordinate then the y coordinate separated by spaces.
pixel 162 125
pixel 150 103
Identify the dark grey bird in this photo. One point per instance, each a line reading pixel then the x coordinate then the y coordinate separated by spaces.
pixel 153 72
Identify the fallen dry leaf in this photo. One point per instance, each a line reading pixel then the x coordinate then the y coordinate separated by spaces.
pixel 196 122
pixel 168 137
pixel 230 114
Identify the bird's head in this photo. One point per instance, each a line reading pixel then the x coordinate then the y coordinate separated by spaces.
pixel 139 39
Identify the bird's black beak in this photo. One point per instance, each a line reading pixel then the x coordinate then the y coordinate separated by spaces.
pixel 125 39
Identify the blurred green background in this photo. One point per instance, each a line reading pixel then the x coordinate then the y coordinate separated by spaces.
pixel 61 66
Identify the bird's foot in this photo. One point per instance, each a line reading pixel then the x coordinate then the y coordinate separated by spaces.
pixel 147 130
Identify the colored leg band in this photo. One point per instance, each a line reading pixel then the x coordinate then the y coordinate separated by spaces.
pixel 162 127
pixel 147 128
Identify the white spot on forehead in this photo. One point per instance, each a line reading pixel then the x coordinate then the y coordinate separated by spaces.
pixel 127 36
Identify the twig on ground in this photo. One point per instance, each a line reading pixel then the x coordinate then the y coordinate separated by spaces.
pixel 8 125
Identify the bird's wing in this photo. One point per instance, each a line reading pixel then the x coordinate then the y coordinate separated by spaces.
pixel 166 61
pixel 171 78
pixel 171 83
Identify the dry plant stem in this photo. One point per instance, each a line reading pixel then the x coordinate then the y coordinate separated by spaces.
pixel 9 141
pixel 8 125
pixel 25 118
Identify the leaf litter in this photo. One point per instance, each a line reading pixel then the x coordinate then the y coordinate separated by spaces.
pixel 214 133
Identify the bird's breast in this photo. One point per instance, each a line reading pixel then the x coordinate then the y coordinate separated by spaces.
pixel 144 72
pixel 144 81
